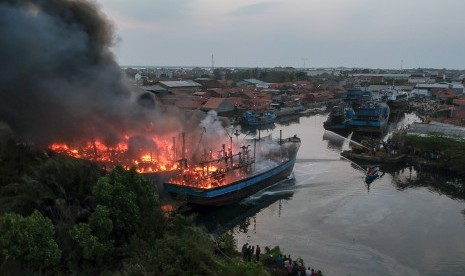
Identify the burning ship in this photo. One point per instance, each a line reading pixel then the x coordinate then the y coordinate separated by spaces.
pixel 213 178
pixel 229 177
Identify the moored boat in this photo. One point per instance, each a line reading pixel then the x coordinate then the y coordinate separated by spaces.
pixel 395 98
pixel 291 110
pixel 251 118
pixel 373 173
pixel 371 117
pixel 354 94
pixel 339 119
pixel 232 177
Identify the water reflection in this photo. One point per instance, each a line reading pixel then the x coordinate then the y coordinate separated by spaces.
pixel 243 214
pixel 439 182
pixel 256 130
pixel 288 120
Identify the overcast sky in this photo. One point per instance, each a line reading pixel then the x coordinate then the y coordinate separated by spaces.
pixel 317 33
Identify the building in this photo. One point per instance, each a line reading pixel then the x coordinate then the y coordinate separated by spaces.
pixel 254 82
pixel 181 84
pixel 222 106
pixel 420 78
pixel 380 77
pixel 209 83
pixel 432 87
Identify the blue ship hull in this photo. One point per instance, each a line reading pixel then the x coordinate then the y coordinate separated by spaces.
pixel 375 126
pixel 235 191
pixel 250 118
pixel 339 119
pixel 371 117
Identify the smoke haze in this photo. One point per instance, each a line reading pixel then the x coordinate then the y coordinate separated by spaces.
pixel 59 80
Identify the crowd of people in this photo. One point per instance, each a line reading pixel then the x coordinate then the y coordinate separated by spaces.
pixel 282 262
pixel 249 250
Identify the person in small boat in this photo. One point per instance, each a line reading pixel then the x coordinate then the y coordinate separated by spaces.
pixel 371 170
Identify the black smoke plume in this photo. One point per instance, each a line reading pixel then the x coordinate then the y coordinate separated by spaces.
pixel 59 80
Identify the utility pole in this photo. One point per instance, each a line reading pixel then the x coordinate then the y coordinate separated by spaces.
pixel 304 59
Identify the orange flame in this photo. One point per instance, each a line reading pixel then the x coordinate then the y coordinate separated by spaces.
pixel 147 162
pixel 158 160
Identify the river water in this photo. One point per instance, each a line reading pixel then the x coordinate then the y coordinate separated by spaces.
pixel 406 223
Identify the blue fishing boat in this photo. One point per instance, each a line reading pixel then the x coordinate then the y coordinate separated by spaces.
pixel 370 117
pixel 354 94
pixel 251 118
pixel 339 119
pixel 233 177
pixel 372 174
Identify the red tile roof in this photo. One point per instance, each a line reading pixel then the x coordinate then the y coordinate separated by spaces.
pixel 189 103
pixel 459 101
pixel 236 101
pixel 446 93
pixel 213 103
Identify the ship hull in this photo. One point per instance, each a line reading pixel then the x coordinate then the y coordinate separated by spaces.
pixel 233 192
pixel 339 128
pixel 371 117
pixel 397 103
pixel 378 126
pixel 250 118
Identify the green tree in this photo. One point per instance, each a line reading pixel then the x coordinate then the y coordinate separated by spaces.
pixel 100 222
pixel 29 240
pixel 91 248
pixel 187 249
pixel 301 76
pixel 132 204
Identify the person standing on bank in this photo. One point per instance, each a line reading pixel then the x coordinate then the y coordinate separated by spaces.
pixel 257 252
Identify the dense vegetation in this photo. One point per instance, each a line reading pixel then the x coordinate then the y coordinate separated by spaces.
pixel 66 216
pixel 448 152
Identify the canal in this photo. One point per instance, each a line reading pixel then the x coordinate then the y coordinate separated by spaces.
pixel 406 223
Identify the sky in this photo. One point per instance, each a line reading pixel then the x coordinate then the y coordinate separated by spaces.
pixel 386 34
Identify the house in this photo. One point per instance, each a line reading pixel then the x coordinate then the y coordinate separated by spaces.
pixel 420 93
pixel 184 85
pixel 254 82
pixel 226 83
pixel 222 106
pixel 419 78
pixel 460 102
pixel 445 94
pixel 318 96
pixel 432 86
pixel 238 102
pixel 218 93
pixel 189 103
pixel 155 89
pixel 457 87
pixel 209 83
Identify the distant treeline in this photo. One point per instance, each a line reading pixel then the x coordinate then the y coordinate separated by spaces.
pixel 266 75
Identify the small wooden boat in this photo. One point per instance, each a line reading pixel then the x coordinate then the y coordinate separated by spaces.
pixel 372 174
